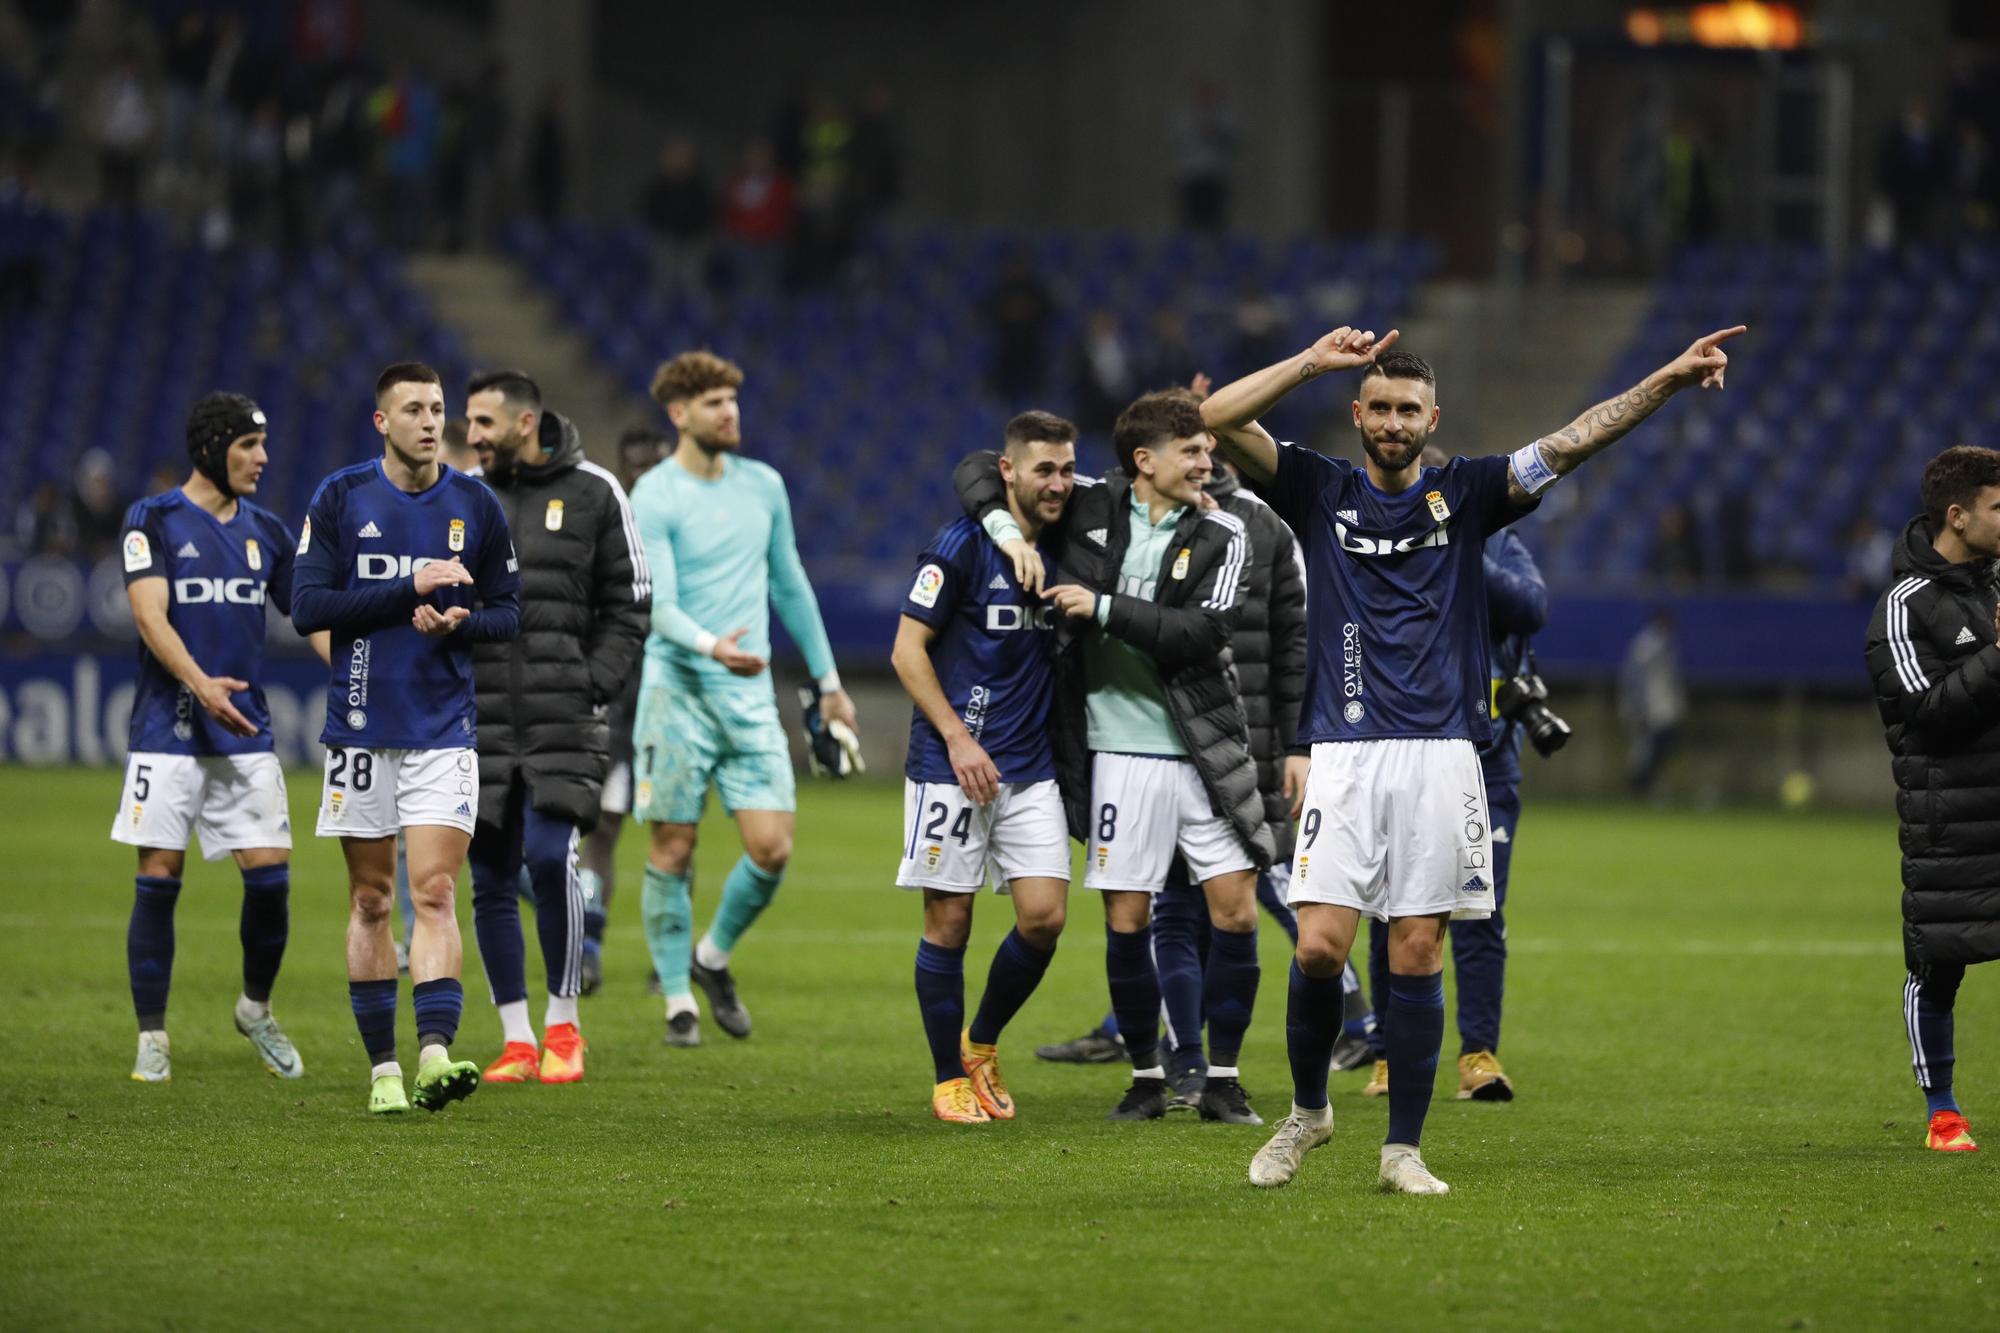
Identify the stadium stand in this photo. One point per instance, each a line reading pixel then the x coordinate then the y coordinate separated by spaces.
pixel 121 325
pixel 1852 379
pixel 864 381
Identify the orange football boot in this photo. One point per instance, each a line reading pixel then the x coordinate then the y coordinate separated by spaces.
pixel 515 1065
pixel 562 1054
pixel 1950 1133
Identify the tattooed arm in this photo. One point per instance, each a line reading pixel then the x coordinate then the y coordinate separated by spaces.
pixel 1704 363
pixel 1231 412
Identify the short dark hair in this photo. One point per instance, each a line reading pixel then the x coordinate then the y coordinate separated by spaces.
pixel 405 372
pixel 1955 477
pixel 642 437
pixel 514 386
pixel 1039 427
pixel 1164 414
pixel 1396 365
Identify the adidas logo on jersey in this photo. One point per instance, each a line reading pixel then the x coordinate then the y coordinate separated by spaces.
pixel 1347 514
pixel 370 530
pixel 1099 535
pixel 187 552
pixel 999 581
pixel 1964 637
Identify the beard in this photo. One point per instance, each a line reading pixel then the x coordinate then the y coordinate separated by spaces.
pixel 714 443
pixel 1393 455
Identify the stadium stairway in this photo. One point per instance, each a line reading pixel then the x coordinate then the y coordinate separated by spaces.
pixel 1537 357
pixel 506 322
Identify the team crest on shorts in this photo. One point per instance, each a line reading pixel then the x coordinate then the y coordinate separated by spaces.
pixel 333 800
pixel 456 538
pixel 1103 855
pixel 644 796
pixel 552 519
pixel 932 855
pixel 1181 562
pixel 137 810
pixel 252 553
pixel 1353 711
pixel 1439 509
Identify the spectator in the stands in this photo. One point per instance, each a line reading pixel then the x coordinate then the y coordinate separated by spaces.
pixel 1975 180
pixel 1870 548
pixel 1106 378
pixel 759 209
pixel 875 159
pixel 679 206
pixel 44 524
pixel 125 127
pixel 99 509
pixel 1169 359
pixel 1017 310
pixel 1912 172
pixel 548 158
pixel 1677 554
pixel 1204 134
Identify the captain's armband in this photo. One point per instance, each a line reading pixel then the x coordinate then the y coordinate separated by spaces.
pixel 1532 470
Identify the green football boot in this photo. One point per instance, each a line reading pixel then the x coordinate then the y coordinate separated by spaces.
pixel 442 1080
pixel 386 1097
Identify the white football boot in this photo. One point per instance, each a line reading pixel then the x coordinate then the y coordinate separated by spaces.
pixel 1297 1134
pixel 152 1066
pixel 1404 1172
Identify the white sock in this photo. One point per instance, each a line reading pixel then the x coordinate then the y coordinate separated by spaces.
pixel 386 1067
pixel 424 1056
pixel 514 1022
pixel 1319 1115
pixel 1222 1071
pixel 682 1004
pixel 250 1010
pixel 1150 1071
pixel 562 1009
pixel 709 956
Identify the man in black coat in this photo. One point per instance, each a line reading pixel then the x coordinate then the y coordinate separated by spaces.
pixel 1936 668
pixel 1151 741
pixel 544 700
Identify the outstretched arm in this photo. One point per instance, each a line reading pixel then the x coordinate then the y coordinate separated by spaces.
pixel 1539 465
pixel 1232 411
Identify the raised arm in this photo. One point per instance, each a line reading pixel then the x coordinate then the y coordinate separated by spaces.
pixel 1231 412
pixel 1537 466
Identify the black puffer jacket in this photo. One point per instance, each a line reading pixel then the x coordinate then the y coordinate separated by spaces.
pixel 1185 629
pixel 586 601
pixel 1269 645
pixel 1936 668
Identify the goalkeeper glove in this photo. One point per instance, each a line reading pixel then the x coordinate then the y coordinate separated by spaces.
pixel 834 749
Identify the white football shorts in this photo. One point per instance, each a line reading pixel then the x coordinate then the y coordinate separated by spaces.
pixel 1395 828
pixel 377 793
pixel 232 802
pixel 1144 808
pixel 952 845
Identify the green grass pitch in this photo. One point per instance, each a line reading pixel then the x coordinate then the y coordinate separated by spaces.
pixel 1716 1125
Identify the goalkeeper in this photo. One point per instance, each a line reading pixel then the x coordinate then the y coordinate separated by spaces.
pixel 717 530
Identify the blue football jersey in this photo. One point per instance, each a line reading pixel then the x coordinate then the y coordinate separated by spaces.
pixel 364 540
pixel 994 654
pixel 219 577
pixel 1396 624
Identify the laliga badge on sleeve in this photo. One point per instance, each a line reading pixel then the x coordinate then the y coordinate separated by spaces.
pixel 456 541
pixel 138 552
pixel 1181 562
pixel 1439 509
pixel 305 536
pixel 252 553
pixel 552 520
pixel 930 582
